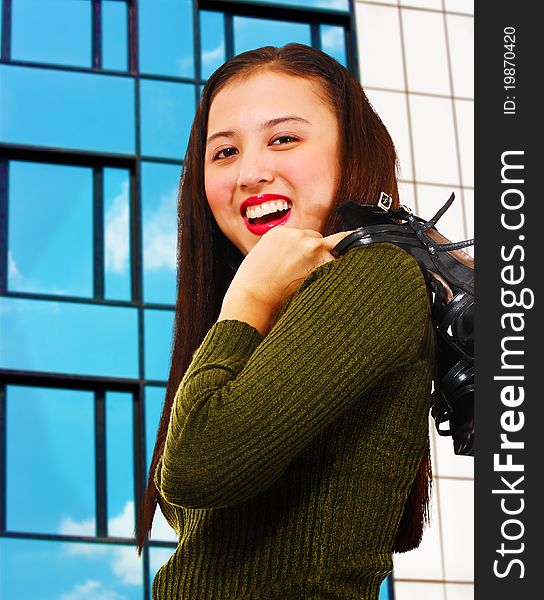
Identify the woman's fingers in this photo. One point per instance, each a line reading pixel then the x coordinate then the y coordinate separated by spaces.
pixel 331 240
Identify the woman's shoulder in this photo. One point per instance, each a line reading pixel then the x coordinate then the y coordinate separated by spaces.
pixel 381 263
pixel 380 280
pixel 375 290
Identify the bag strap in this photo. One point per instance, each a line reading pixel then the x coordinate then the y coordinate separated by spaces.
pixel 449 273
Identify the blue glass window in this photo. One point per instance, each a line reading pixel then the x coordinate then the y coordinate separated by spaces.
pixel 65 337
pixel 114 35
pixel 159 235
pixel 212 36
pixel 161 531
pixel 253 33
pixel 117 280
pixel 167 113
pixel 69 571
pixel 158 342
pixel 333 42
pixel 52 31
pixel 50 489
pixel 385 593
pixel 84 111
pixel 336 5
pixel 120 464
pixel 52 252
pixel 166 37
pixel 157 558
pixel 154 400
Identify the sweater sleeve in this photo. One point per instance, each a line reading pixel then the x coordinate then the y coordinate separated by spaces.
pixel 247 404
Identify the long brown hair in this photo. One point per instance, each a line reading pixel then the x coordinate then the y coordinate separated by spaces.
pixel 207 261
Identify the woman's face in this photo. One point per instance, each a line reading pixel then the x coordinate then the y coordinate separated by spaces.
pixel 272 156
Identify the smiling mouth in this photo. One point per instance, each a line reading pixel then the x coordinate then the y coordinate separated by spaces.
pixel 267 212
pixel 270 218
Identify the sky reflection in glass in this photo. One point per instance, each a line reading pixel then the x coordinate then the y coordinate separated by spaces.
pixel 50 459
pixel 158 341
pixel 161 531
pixel 253 33
pixel 157 558
pixel 65 337
pixel 69 571
pixel 384 590
pixel 117 280
pixel 120 464
pixel 166 37
pixel 333 42
pixel 341 5
pixel 83 111
pixel 154 400
pixel 52 31
pixel 114 35
pixel 159 234
pixel 168 109
pixel 50 222
pixel 212 36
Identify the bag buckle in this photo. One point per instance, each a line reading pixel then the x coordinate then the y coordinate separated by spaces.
pixel 385 201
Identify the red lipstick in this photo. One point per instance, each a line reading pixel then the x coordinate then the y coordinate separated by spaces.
pixel 261 228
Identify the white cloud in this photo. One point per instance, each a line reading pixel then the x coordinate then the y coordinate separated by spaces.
pixel 116 232
pixel 13 271
pixel 20 307
pixel 160 234
pixel 211 56
pixel 127 565
pixel 86 527
pixel 123 560
pixel 91 590
pixel 123 524
pixel 161 531
pixel 70 527
pixel 333 4
pixel 185 65
pixel 20 283
pixel 333 39
pixel 158 557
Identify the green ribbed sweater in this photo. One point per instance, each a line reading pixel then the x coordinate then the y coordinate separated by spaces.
pixel 288 458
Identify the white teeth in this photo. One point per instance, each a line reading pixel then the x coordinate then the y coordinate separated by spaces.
pixel 266 208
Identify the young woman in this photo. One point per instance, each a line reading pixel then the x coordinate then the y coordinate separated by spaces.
pixel 292 454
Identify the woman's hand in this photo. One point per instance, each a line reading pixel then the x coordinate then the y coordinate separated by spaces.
pixel 273 271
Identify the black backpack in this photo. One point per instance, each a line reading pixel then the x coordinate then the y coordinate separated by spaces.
pixel 449 273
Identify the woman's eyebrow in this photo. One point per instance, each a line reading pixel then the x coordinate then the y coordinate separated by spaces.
pixel 279 120
pixel 263 126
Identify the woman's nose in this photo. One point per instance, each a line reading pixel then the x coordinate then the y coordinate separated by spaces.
pixel 254 170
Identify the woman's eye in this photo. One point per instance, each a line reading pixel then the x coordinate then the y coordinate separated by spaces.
pixel 224 153
pixel 284 139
